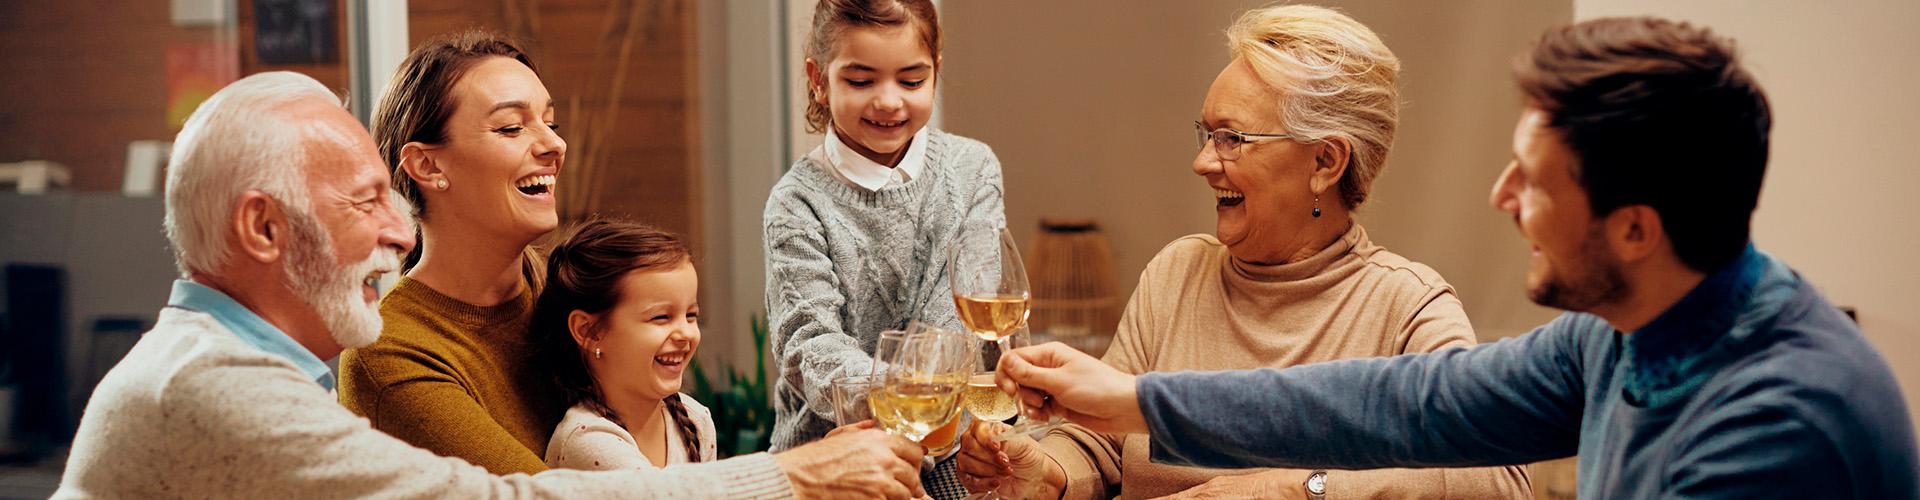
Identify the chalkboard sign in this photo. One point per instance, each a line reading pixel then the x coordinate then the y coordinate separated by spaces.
pixel 295 32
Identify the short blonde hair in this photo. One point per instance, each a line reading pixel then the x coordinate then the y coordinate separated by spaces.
pixel 1335 78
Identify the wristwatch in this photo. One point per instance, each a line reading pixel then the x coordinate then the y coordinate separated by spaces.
pixel 1317 485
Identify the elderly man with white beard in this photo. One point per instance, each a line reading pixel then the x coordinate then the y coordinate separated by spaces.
pixel 280 219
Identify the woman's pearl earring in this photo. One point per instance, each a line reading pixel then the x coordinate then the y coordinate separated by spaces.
pixel 440 184
pixel 1316 206
pixel 596 353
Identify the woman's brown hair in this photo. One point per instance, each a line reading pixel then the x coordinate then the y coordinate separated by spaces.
pixel 832 19
pixel 583 274
pixel 420 100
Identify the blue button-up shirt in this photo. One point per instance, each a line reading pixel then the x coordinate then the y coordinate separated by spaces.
pixel 250 327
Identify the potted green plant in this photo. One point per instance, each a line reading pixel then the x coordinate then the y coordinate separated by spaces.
pixel 742 409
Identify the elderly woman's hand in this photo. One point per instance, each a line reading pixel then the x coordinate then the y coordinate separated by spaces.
pixel 985 464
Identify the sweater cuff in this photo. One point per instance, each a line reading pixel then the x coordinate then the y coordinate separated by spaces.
pixel 756 476
pixel 1075 459
pixel 1151 392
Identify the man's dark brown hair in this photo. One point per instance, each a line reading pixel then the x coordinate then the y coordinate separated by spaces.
pixel 1657 113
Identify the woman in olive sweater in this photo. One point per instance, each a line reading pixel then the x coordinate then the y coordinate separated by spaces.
pixel 469 128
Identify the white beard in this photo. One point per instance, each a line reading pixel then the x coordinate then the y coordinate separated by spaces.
pixel 335 292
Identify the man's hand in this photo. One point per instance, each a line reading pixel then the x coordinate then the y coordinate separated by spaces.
pixel 854 462
pixel 988 465
pixel 1055 379
pixel 1281 484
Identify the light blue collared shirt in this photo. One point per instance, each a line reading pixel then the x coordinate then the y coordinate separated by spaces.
pixel 250 327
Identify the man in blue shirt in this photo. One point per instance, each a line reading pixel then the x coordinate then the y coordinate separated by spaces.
pixel 1689 364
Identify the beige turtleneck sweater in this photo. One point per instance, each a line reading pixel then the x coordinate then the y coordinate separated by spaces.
pixel 1198 308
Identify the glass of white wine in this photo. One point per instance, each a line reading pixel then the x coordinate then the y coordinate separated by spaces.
pixel 851 403
pixel 885 349
pixel 991 296
pixel 943 441
pixel 984 399
pixel 921 392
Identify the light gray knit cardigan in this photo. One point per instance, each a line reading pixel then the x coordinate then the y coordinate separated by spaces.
pixel 845 263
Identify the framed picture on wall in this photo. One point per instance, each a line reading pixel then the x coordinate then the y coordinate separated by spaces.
pixel 295 32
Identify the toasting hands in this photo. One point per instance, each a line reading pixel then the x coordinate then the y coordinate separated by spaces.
pixel 1055 379
pixel 854 461
pixel 989 464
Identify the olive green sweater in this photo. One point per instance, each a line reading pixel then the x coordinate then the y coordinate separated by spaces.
pixel 455 378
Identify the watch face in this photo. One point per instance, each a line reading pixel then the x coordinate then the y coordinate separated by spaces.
pixel 1317 483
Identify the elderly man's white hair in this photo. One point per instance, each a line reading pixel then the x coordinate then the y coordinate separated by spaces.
pixel 240 139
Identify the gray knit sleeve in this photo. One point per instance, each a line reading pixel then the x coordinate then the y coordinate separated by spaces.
pixel 804 302
pixel 989 194
pixel 981 205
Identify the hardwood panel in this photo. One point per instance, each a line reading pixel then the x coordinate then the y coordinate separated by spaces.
pixel 644 157
pixel 88 76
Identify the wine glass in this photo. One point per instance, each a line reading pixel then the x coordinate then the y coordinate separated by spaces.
pixel 984 399
pixel 987 402
pixel 923 381
pixel 941 441
pixel 886 349
pixel 851 403
pixel 990 292
pixel 991 296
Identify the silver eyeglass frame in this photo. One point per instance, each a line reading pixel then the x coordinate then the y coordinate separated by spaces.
pixel 1219 138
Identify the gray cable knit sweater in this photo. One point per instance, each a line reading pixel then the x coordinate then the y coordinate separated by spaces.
pixel 845 264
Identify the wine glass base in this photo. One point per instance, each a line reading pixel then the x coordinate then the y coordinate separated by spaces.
pixel 1030 428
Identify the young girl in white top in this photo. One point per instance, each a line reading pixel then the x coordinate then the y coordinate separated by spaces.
pixel 858 229
pixel 619 320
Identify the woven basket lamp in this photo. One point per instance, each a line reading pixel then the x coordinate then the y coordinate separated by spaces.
pixel 1075 294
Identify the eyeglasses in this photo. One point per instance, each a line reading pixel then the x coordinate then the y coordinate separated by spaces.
pixel 1227 142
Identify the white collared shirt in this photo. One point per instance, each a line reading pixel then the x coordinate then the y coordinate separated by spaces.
pixel 858 171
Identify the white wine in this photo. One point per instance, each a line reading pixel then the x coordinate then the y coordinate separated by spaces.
pixel 991 316
pixel 920 408
pixel 944 437
pixel 882 408
pixel 987 401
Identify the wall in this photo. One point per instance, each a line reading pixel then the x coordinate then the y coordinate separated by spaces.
pixel 742 152
pixel 1089 108
pixel 84 77
pixel 1838 201
pixel 117 264
pixel 623 76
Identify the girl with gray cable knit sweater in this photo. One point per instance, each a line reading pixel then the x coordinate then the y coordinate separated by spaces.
pixel 857 231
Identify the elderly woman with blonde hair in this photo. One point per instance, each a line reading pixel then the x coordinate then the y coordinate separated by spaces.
pixel 1292 135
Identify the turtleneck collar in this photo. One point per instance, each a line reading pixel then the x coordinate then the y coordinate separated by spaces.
pixel 1277 286
pixel 1304 269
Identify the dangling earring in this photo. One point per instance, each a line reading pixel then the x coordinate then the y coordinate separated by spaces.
pixel 1316 206
pixel 440 184
pixel 596 353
